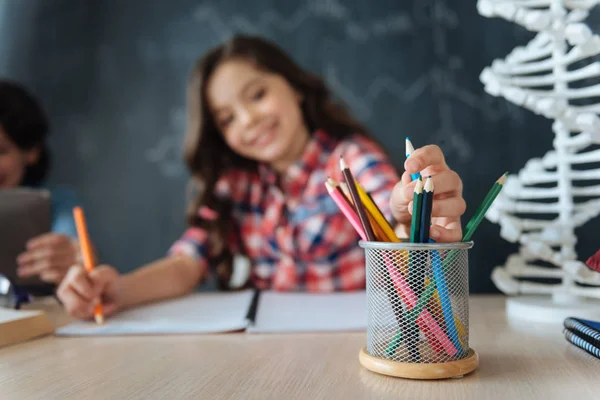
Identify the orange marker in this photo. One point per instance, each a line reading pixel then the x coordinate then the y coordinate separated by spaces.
pixel 86 251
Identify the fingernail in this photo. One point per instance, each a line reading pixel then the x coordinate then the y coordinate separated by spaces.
pixel 412 165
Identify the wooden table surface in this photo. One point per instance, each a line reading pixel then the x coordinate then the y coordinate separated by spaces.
pixel 516 362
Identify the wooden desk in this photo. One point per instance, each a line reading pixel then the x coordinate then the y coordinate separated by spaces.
pixel 516 363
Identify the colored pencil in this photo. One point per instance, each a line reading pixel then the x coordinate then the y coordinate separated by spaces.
pixel 425 320
pixel 426 211
pixel 376 212
pixel 409 150
pixel 483 208
pixel 377 230
pixel 86 252
pixel 338 188
pixel 416 212
pixel 339 196
pixel 362 214
pixel 444 295
pixel 346 209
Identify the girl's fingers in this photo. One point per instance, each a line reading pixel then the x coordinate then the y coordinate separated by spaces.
pixel 445 183
pixel 52 275
pixel 453 207
pixel 56 261
pixel 75 305
pixel 448 208
pixel 450 233
pixel 398 202
pixel 425 157
pixel 82 286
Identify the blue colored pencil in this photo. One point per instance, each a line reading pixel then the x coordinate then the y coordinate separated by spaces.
pixel 440 281
pixel 426 211
pixel 409 150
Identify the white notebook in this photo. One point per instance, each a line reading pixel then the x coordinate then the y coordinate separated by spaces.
pixel 224 312
pixel 308 312
pixel 196 313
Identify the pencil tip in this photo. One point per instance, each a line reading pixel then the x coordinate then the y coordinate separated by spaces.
pixel 429 185
pixel 409 147
pixel 419 186
pixel 343 163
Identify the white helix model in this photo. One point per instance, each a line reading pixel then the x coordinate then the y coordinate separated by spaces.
pixel 554 75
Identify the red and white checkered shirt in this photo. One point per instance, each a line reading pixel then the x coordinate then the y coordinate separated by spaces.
pixel 293 233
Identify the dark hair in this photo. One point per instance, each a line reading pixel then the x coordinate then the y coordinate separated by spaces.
pixel 207 155
pixel 24 121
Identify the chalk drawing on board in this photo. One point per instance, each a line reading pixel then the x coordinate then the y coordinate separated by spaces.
pixel 439 82
pixel 167 152
pixel 330 10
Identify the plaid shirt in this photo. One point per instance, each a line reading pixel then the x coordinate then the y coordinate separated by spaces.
pixel 292 231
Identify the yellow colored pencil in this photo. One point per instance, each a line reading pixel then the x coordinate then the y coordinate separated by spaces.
pixel 374 210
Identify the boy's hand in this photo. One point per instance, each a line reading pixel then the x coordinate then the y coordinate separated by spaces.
pixel 48 256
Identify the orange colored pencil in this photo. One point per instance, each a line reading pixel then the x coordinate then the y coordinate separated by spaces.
pixel 86 252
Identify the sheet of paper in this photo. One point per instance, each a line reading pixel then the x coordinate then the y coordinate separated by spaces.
pixel 196 313
pixel 310 312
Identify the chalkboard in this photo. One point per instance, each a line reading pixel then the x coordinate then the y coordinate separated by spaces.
pixel 113 74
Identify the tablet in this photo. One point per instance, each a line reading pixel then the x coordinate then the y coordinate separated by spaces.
pixel 24 214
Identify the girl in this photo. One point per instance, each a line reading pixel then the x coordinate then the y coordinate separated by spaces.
pixel 25 161
pixel 263 136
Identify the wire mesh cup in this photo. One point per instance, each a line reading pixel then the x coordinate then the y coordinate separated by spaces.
pixel 418 310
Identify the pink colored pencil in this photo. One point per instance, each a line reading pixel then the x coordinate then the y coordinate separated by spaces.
pixel 411 300
pixel 435 344
pixel 346 209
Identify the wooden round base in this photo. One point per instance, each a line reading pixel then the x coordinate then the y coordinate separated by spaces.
pixel 420 371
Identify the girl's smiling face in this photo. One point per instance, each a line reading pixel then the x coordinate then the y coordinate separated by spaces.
pixel 258 113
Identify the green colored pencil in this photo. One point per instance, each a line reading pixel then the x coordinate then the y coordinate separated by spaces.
pixel 490 194
pixel 416 211
pixel 483 208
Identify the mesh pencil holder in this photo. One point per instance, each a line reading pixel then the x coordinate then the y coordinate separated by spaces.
pixel 418 310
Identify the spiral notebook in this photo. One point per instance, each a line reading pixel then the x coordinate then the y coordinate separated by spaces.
pixel 247 310
pixel 584 334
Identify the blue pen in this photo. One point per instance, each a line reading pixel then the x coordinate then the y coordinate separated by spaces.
pixel 409 150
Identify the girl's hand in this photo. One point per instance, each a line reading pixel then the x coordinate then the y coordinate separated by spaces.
pixel 48 256
pixel 80 291
pixel 448 203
